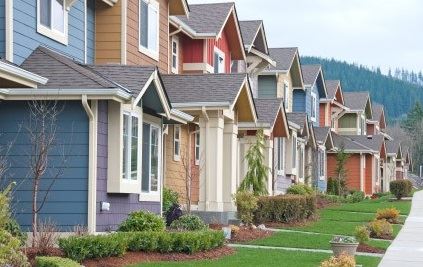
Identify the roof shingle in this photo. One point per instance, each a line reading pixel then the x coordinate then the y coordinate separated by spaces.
pixel 331 87
pixel 310 73
pixel 374 142
pixel 299 118
pixel 284 57
pixel 249 29
pixel 321 134
pixel 356 100
pixel 348 144
pixel 377 111
pixel 267 109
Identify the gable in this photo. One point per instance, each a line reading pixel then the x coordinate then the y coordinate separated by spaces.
pixel 295 73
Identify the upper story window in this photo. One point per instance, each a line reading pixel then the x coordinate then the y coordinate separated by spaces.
pixel 130 166
pixel 279 155
pixel 313 106
pixel 175 54
pixel 52 20
pixel 219 61
pixel 149 28
pixel 286 94
pixel 177 142
pixel 197 148
pixel 363 125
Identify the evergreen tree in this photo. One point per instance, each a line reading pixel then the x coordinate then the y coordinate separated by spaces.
pixel 414 116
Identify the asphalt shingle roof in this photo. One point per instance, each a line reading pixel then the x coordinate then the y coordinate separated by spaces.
pixel 374 142
pixel 267 109
pixel 298 118
pixel 377 111
pixel 207 18
pixel 321 133
pixel 310 73
pixel 348 144
pixel 392 146
pixel 203 87
pixel 331 86
pixel 283 57
pixel 249 30
pixel 62 71
pixel 356 100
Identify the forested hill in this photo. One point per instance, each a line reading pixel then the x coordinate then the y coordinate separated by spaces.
pixel 397 95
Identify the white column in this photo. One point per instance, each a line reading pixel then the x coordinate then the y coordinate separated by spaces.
pixel 268 162
pixel 211 175
pixel 230 146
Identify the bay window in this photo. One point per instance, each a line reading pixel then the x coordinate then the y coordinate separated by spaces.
pixel 130 147
pixel 52 19
pixel 149 28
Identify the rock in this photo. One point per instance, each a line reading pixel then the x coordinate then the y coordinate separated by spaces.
pixel 253 226
pixel 262 227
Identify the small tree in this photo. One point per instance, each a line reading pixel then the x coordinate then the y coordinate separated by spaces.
pixel 257 172
pixel 341 171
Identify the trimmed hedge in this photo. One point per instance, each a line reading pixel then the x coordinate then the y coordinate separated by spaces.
pixel 188 222
pixel 142 221
pixel 285 208
pixel 87 247
pixel 300 189
pixel 55 262
pixel 400 188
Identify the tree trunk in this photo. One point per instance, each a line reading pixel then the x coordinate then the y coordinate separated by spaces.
pixel 34 211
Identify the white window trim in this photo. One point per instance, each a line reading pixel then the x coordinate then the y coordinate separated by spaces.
pixel 154 195
pixel 128 167
pixel 148 52
pixel 176 157
pixel 294 155
pixel 61 37
pixel 322 158
pixel 222 55
pixel 281 170
pixel 313 100
pixel 197 156
pixel 175 39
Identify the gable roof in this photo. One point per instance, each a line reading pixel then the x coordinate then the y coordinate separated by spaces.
pixel 374 142
pixel 321 134
pixel 356 100
pixel 393 147
pixel 310 73
pixel 378 114
pixel 349 145
pixel 284 57
pixel 249 30
pixel 267 109
pixel 299 118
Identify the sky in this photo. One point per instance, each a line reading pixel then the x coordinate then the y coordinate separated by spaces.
pixel 375 33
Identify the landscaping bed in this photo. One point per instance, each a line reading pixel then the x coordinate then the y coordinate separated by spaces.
pixel 369 249
pixel 146 257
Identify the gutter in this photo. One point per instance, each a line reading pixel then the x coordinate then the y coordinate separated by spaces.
pixel 201 105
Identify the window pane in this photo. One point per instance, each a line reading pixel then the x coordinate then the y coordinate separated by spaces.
pixel 58 15
pixel 216 63
pixel 174 61
pixel 125 146
pixel 145 181
pixel 176 148
pixel 154 159
pixel 134 149
pixel 144 24
pixel 152 33
pixel 45 12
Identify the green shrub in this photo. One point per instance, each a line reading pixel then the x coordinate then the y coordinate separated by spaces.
pixel 55 262
pixel 10 255
pixel 79 248
pixel 355 197
pixel 362 234
pixel 246 203
pixel 389 214
pixel 170 198
pixel 13 227
pixel 142 221
pixel 332 186
pixel 400 188
pixel 380 229
pixel 188 222
pixel 285 208
pixel 300 189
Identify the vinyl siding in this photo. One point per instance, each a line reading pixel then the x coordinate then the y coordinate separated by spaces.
pixel 349 120
pixel 267 86
pixel 299 99
pixel 2 29
pixel 26 38
pixel 66 203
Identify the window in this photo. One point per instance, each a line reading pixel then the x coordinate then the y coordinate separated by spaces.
pixel 322 161
pixel 219 61
pixel 175 52
pixel 286 94
pixel 294 151
pixel 52 19
pixel 313 106
pixel 149 28
pixel 363 125
pixel 197 148
pixel 177 142
pixel 279 154
pixel 151 159
pixel 130 147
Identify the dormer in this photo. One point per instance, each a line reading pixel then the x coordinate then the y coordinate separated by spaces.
pixel 377 124
pixel 354 120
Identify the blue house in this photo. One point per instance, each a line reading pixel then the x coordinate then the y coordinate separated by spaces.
pixel 308 100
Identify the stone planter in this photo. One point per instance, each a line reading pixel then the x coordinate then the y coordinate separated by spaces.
pixel 348 248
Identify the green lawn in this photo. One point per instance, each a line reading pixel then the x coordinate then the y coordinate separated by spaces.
pixel 265 257
pixel 371 206
pixel 302 240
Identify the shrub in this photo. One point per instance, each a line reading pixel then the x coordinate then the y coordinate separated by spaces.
pixel 46 237
pixel 357 196
pixel 285 208
pixel 400 188
pixel 246 204
pixel 362 234
pixel 188 222
pixel 300 189
pixel 380 229
pixel 332 186
pixel 170 198
pixel 55 262
pixel 142 221
pixel 342 260
pixel 389 214
pixel 79 248
pixel 13 227
pixel 173 214
pixel 10 255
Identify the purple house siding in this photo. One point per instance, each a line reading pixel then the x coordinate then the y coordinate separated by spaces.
pixel 120 204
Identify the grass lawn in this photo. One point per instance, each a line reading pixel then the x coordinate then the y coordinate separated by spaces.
pixel 265 257
pixel 302 240
pixel 371 206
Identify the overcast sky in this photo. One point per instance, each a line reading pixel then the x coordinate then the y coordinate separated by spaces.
pixel 385 33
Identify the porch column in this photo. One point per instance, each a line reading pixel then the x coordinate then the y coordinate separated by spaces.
pixel 268 162
pixel 211 174
pixel 230 146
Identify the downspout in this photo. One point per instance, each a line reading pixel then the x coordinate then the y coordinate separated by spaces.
pixel 92 162
pixel 206 117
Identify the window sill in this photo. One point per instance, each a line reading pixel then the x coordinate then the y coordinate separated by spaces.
pixel 124 186
pixel 149 53
pixel 152 196
pixel 52 34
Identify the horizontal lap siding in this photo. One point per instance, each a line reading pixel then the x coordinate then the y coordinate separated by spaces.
pixel 352 167
pixel 369 185
pixel 120 204
pixel 299 101
pixel 2 29
pixel 134 56
pixel 108 33
pixel 66 203
pixel 26 38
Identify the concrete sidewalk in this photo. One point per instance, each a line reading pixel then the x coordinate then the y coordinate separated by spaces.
pixel 407 248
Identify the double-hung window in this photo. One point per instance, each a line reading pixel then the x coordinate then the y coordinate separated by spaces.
pixel 149 28
pixel 279 156
pixel 197 148
pixel 219 61
pixel 175 53
pixel 52 20
pixel 313 106
pixel 176 142
pixel 131 143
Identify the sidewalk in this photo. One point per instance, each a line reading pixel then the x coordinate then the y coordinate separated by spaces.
pixel 407 248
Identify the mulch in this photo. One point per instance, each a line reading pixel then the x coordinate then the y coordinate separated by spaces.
pixel 31 253
pixel 246 234
pixel 369 249
pixel 145 257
